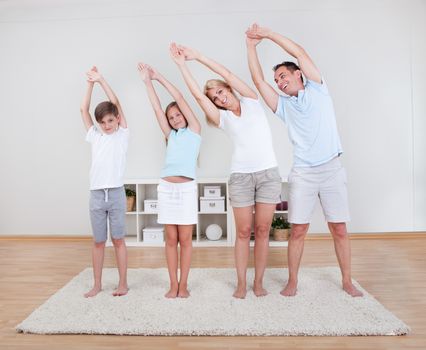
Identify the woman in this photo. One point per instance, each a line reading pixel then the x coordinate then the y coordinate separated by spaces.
pixel 255 183
pixel 177 190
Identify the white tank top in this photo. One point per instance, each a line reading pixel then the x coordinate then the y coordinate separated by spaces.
pixel 251 136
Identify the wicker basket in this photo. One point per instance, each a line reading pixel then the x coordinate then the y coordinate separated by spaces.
pixel 131 203
pixel 281 234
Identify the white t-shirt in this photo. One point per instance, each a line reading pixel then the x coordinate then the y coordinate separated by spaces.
pixel 251 136
pixel 108 157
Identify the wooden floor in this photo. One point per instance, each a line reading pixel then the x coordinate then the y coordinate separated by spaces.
pixel 393 270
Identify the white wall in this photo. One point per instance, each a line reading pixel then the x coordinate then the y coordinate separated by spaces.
pixel 419 115
pixel 372 54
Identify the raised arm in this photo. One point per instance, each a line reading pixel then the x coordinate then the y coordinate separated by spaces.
pixel 94 76
pixel 236 83
pixel 146 74
pixel 305 63
pixel 266 90
pixel 186 110
pixel 208 107
pixel 85 105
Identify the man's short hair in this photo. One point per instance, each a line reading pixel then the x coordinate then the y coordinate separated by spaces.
pixel 291 66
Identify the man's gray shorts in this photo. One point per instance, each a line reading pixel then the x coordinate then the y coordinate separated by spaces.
pixel 326 182
pixel 261 186
pixel 109 203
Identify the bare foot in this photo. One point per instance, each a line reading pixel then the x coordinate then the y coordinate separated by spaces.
pixel 92 292
pixel 289 290
pixel 120 291
pixel 259 291
pixel 183 291
pixel 352 290
pixel 240 292
pixel 173 291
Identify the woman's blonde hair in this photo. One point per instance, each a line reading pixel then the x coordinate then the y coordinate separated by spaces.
pixel 215 83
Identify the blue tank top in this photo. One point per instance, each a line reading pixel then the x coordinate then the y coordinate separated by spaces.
pixel 182 151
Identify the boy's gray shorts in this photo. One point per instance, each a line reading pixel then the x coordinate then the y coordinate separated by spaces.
pixel 109 203
pixel 261 186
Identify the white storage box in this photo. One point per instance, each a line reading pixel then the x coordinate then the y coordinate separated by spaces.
pixel 212 191
pixel 150 205
pixel 212 205
pixel 153 234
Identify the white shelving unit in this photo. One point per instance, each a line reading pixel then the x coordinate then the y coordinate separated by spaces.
pixel 139 219
pixel 146 189
pixel 223 219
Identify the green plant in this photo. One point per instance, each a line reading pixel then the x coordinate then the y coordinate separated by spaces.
pixel 280 222
pixel 130 193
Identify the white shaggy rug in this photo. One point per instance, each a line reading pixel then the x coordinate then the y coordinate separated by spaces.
pixel 321 307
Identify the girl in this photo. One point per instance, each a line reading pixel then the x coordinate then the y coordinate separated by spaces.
pixel 255 183
pixel 177 191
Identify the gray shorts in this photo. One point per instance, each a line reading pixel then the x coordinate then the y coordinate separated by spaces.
pixel 261 186
pixel 326 182
pixel 109 203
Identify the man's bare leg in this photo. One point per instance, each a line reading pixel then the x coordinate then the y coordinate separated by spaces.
pixel 343 252
pixel 295 251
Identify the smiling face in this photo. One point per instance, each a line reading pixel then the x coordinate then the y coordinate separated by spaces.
pixel 109 123
pixel 289 82
pixel 175 117
pixel 106 114
pixel 222 97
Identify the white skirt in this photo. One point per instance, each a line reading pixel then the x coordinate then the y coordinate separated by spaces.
pixel 177 203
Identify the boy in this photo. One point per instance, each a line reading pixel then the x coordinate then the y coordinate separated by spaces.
pixel 107 196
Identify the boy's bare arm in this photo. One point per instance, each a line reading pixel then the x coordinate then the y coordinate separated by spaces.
pixel 85 105
pixel 94 76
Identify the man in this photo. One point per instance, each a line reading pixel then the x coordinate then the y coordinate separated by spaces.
pixel 307 110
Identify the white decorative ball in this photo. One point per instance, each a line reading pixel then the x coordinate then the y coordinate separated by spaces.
pixel 213 232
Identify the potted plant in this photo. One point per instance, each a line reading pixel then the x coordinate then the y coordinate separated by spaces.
pixel 281 228
pixel 131 199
